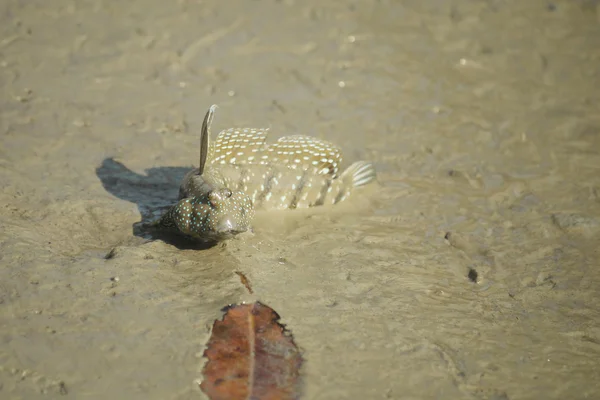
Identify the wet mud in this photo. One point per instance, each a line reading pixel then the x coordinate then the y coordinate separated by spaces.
pixel 469 271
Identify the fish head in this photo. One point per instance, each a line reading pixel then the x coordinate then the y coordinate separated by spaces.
pixel 230 213
pixel 215 216
pixel 218 215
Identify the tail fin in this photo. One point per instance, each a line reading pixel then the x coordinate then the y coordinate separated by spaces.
pixel 359 174
pixel 205 137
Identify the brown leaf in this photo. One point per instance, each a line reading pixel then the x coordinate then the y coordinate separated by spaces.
pixel 251 356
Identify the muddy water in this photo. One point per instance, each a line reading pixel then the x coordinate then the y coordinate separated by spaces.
pixel 471 271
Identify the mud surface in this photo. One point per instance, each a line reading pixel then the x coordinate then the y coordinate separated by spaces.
pixel 471 271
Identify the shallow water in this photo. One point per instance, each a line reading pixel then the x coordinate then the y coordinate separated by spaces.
pixel 470 271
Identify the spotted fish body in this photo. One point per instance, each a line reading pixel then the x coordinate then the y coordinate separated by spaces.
pixel 295 172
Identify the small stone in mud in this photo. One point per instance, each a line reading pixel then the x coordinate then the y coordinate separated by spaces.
pixel 459 241
pixel 472 275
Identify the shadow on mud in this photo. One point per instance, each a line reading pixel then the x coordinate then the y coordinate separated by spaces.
pixel 153 193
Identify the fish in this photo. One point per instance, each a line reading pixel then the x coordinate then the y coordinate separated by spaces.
pixel 240 173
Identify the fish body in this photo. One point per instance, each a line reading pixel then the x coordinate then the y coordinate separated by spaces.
pixel 295 172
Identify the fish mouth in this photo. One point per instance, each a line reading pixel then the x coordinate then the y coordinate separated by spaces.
pixel 216 236
pixel 229 228
pixel 230 232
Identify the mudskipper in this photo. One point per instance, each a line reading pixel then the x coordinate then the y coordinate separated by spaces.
pixel 240 172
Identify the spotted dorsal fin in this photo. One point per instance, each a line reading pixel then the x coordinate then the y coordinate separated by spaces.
pixel 306 153
pixel 247 146
pixel 239 146
pixel 205 137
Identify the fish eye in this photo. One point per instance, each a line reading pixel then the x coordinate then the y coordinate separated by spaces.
pixel 214 197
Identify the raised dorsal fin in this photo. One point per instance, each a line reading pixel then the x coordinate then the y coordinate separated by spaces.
pixel 205 137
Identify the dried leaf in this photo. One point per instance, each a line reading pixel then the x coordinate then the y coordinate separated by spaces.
pixel 251 356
